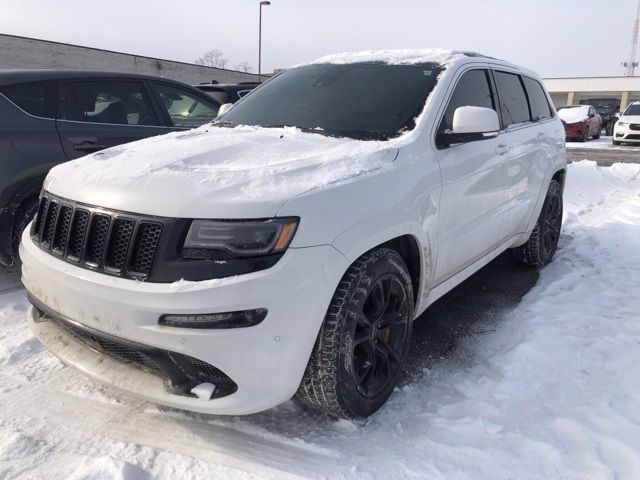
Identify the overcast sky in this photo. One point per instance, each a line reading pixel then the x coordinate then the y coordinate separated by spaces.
pixel 553 37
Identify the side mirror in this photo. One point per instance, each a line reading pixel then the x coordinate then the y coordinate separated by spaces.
pixel 471 124
pixel 224 109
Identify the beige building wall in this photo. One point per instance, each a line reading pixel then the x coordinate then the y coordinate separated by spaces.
pixel 569 91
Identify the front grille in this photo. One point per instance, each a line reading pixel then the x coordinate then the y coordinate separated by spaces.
pixel 180 372
pixel 110 242
pixel 634 136
pixel 634 126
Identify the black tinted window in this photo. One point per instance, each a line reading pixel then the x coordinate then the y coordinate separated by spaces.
pixel 633 109
pixel 359 100
pixel 513 101
pixel 539 105
pixel 185 109
pixel 120 103
pixel 472 90
pixel 35 98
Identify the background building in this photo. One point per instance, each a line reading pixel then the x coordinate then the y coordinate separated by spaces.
pixel 571 91
pixel 22 52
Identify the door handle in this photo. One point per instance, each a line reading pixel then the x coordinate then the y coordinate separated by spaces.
pixel 88 147
pixel 502 149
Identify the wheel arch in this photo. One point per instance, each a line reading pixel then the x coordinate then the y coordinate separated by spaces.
pixel 411 242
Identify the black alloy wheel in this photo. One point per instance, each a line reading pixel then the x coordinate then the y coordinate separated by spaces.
pixel 364 339
pixel 379 336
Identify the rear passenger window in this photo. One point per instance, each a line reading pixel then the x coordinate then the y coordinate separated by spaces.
pixel 513 101
pixel 119 103
pixel 472 90
pixel 539 104
pixel 35 98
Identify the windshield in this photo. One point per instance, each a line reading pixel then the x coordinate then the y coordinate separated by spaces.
pixel 367 101
pixel 633 109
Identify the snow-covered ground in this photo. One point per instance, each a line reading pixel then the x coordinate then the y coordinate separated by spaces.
pixel 553 392
pixel 602 143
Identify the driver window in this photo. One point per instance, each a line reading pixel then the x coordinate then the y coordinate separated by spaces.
pixel 473 89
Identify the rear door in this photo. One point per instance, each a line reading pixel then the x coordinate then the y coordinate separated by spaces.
pixel 523 118
pixel 94 114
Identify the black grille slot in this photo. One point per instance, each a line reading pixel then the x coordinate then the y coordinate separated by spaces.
pixel 635 126
pixel 49 223
pixel 62 230
pixel 93 238
pixel 119 242
pixel 97 239
pixel 78 234
pixel 42 210
pixel 145 248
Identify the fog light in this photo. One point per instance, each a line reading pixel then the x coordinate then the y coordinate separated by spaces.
pixel 241 319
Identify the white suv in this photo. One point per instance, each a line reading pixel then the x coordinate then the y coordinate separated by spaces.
pixel 287 247
pixel 627 128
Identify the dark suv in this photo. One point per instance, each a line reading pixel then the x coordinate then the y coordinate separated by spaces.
pixel 49 116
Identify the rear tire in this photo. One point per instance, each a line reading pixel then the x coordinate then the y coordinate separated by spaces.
pixel 363 342
pixel 543 242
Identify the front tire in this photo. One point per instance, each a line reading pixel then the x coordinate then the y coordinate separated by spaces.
pixel 24 214
pixel 543 242
pixel 363 342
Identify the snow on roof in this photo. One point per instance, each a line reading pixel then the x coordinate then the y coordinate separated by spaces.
pixel 395 57
pixel 573 114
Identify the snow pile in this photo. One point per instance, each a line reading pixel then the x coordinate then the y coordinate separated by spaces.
pixel 550 392
pixel 440 56
pixel 574 114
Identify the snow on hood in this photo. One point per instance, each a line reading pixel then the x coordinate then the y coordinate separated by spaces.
pixel 574 114
pixel 216 172
pixel 395 57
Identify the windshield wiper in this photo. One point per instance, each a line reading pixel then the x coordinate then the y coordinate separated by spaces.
pixel 224 124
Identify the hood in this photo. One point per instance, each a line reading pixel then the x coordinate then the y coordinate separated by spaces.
pixel 629 119
pixel 216 172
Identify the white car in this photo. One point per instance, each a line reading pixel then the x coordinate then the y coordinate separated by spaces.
pixel 627 128
pixel 287 247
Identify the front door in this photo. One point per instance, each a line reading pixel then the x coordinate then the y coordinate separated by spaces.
pixel 477 184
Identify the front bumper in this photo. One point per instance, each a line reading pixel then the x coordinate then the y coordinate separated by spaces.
pixel 266 361
pixel 625 134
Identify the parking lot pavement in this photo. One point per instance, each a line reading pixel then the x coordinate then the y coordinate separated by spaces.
pixel 472 309
pixel 603 152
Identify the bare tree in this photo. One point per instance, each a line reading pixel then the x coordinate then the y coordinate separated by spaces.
pixel 244 67
pixel 213 58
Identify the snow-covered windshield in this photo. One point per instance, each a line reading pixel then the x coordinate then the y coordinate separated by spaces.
pixel 366 101
pixel 633 109
pixel 573 113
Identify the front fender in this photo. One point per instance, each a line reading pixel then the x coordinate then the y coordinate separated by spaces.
pixel 389 225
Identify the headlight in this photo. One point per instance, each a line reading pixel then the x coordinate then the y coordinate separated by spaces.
pixel 622 124
pixel 222 239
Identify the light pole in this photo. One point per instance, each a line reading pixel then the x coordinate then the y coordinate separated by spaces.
pixel 262 4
